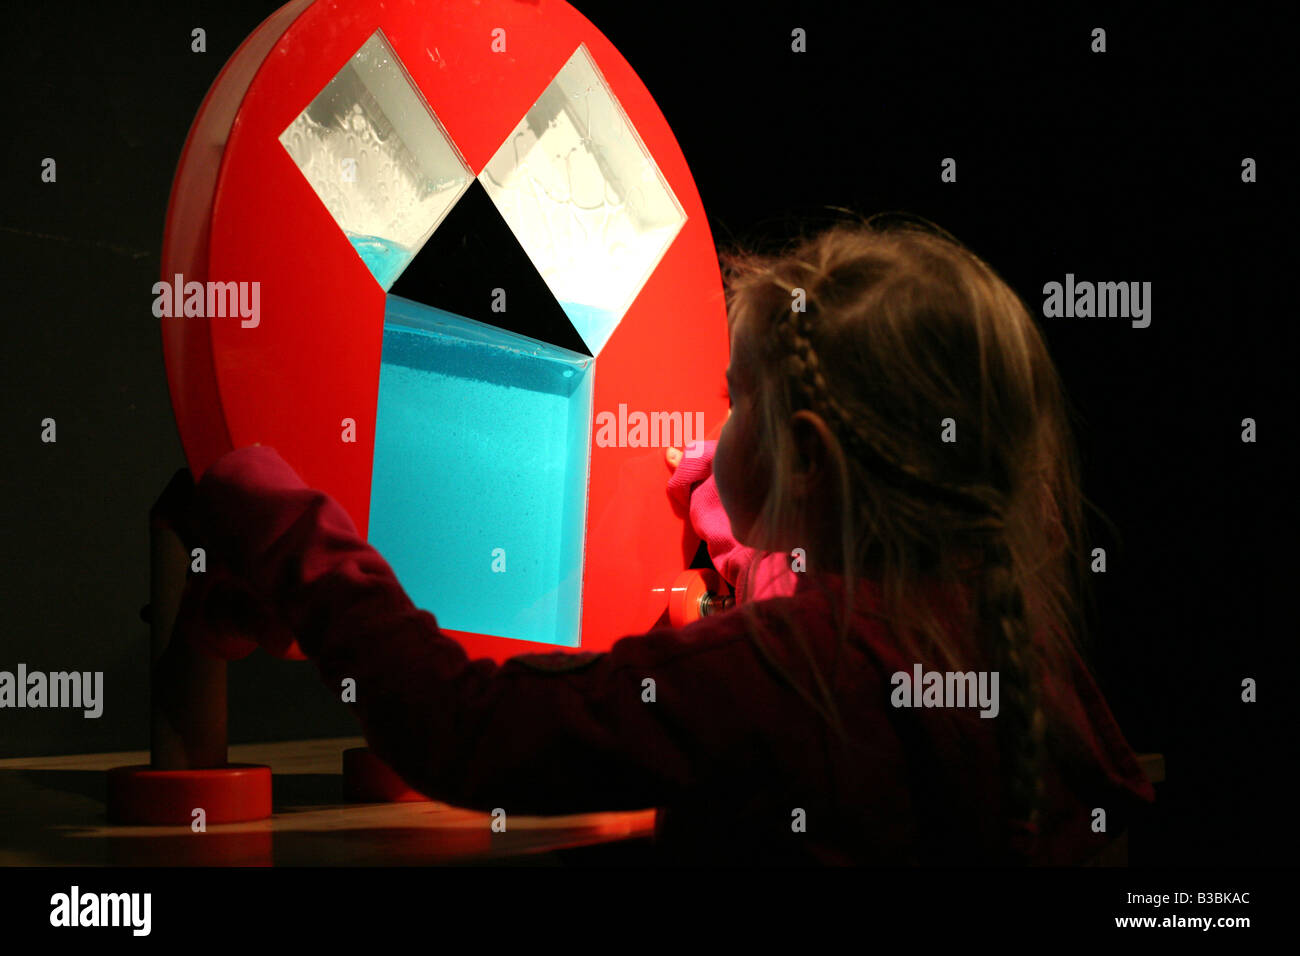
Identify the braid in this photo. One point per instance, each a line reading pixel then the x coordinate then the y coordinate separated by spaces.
pixel 1001 603
pixel 1002 617
pixel 805 368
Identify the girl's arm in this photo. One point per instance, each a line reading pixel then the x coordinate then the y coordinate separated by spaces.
pixel 539 734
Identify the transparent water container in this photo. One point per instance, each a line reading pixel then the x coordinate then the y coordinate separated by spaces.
pixel 479 491
pixel 585 199
pixel 378 158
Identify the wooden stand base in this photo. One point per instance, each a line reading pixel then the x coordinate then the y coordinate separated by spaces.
pixel 187 740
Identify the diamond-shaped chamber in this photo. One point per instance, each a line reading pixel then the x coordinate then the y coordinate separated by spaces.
pixel 584 198
pixel 378 158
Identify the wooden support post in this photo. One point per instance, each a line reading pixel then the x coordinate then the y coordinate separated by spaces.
pixel 187 688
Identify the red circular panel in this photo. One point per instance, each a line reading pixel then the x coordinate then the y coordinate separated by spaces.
pixel 241 210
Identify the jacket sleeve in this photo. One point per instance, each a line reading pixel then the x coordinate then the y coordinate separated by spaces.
pixel 544 733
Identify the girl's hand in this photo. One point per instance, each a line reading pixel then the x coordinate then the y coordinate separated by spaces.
pixel 218 613
pixel 221 615
pixel 689 466
pixel 695 496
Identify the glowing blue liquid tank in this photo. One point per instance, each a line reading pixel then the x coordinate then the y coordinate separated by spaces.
pixel 481 443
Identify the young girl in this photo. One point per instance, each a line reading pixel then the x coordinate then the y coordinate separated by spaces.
pixel 898 450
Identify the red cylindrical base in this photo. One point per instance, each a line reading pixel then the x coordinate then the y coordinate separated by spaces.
pixel 234 793
pixel 367 779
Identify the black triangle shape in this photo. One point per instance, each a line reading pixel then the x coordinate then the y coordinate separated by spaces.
pixel 473 252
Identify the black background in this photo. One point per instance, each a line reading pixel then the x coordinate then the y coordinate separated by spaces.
pixel 1122 166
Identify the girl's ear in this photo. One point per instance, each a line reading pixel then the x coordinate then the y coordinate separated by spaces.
pixel 812 442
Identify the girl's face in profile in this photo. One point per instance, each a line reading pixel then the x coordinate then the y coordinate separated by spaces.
pixel 737 466
pixel 742 468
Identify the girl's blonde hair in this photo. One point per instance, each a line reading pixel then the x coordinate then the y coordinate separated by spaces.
pixel 902 328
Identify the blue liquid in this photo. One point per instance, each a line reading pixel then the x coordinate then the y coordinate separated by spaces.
pixel 481 442
pixel 383 258
pixel 594 325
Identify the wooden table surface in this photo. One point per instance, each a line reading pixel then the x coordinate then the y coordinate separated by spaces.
pixel 52 813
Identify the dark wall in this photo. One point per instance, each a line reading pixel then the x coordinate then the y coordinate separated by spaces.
pixel 1115 166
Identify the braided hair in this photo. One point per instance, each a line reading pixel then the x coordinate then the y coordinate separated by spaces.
pixel 965 337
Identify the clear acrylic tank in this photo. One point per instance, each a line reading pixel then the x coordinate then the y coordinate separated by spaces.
pixel 479 490
pixel 378 158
